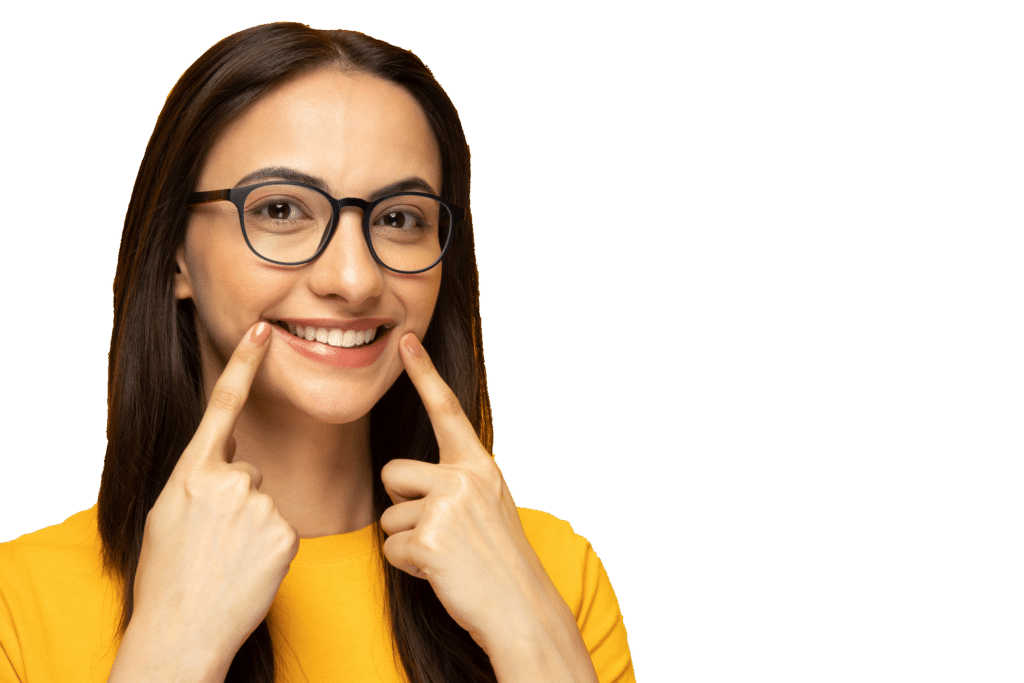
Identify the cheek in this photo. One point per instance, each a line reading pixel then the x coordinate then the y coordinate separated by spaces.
pixel 422 301
pixel 229 292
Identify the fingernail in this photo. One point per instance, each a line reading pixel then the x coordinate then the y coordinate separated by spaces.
pixel 412 345
pixel 260 333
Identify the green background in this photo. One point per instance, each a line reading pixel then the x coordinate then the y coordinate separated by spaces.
pixel 750 287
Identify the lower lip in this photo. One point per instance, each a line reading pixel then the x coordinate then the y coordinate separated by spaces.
pixel 334 356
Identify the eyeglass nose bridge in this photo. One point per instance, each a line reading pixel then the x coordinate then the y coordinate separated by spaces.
pixel 336 206
pixel 340 204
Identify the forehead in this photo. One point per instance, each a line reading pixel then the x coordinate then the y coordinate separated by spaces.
pixel 357 132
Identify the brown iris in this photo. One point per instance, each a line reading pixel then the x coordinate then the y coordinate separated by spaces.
pixel 280 210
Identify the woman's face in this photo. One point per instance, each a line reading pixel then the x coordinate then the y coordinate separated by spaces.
pixel 357 135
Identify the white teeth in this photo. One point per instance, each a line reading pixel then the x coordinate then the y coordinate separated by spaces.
pixel 333 336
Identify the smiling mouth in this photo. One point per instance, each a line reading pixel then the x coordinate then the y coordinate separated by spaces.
pixel 333 336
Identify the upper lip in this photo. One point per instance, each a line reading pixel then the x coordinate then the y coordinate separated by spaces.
pixel 338 323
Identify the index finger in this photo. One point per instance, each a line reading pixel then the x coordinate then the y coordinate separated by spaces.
pixel 229 395
pixel 455 433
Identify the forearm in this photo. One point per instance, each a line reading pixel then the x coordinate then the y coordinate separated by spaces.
pixel 549 649
pixel 158 655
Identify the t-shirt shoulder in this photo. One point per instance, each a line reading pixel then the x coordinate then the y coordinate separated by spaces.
pixel 581 579
pixel 72 544
pixel 52 585
pixel 557 546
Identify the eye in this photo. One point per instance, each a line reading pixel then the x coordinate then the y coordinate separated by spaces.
pixel 286 211
pixel 279 210
pixel 399 219
pixel 406 212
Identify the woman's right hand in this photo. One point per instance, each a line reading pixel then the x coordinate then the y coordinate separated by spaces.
pixel 215 549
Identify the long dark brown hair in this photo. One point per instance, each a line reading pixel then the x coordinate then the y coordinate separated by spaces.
pixel 155 397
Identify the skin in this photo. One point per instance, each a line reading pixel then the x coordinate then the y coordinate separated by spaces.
pixel 358 134
pixel 282 451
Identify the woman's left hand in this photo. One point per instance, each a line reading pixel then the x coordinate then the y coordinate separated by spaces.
pixel 455 525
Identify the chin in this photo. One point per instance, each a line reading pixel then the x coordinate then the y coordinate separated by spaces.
pixel 328 414
pixel 327 396
pixel 321 404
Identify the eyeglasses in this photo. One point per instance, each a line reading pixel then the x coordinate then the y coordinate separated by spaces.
pixel 290 223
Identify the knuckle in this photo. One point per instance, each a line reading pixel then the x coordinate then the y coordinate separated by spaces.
pixel 492 480
pixel 194 485
pixel 248 355
pixel 386 519
pixel 443 506
pixel 390 548
pixel 236 481
pixel 448 404
pixel 429 541
pixel 426 364
pixel 477 483
pixel 226 398
pixel 286 539
pixel 461 481
pixel 465 481
pixel 263 505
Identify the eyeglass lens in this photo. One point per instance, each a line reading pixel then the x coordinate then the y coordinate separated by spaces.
pixel 289 223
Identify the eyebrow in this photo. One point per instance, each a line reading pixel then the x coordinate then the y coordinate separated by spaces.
pixel 282 173
pixel 410 184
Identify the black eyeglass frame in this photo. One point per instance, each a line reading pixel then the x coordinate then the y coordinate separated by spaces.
pixel 238 195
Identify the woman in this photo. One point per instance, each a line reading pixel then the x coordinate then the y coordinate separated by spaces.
pixel 298 481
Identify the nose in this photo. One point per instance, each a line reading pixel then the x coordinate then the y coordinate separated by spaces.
pixel 346 269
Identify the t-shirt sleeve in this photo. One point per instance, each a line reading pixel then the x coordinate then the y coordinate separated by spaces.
pixel 600 620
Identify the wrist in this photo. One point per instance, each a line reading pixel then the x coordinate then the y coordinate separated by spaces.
pixel 548 648
pixel 160 654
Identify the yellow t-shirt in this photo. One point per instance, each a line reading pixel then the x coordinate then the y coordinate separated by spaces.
pixel 58 610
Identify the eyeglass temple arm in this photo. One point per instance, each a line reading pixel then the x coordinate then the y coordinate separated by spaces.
pixel 209 196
